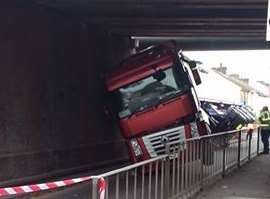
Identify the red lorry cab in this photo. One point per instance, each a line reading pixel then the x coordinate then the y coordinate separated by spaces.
pixel 151 90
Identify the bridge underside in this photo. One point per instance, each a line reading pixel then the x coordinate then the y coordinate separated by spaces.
pixel 196 24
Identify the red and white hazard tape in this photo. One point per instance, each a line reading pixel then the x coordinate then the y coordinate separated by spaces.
pixel 52 185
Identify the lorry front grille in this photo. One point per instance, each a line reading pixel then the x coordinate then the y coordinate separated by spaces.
pixel 155 146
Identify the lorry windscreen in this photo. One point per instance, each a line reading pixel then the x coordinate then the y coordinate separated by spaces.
pixel 150 91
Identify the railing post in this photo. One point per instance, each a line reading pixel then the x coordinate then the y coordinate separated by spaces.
pixel 258 140
pixel 239 149
pixel 167 172
pixel 98 187
pixel 249 145
pixel 224 157
pixel 94 188
pixel 201 169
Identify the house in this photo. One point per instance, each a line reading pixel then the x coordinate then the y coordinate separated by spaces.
pixel 216 87
pixel 219 86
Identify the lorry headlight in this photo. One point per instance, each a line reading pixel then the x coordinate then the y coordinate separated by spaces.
pixel 136 147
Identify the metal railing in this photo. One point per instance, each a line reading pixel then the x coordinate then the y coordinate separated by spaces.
pixel 184 170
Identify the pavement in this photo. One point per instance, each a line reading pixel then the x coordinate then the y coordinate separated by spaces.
pixel 252 181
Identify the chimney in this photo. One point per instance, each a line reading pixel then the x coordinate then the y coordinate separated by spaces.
pixel 221 69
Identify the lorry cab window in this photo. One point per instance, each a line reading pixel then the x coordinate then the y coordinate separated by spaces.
pixel 150 91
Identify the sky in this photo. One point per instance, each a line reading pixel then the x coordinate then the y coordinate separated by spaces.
pixel 252 64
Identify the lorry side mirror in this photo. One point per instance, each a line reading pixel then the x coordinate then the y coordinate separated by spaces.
pixel 196 76
pixel 192 64
pixel 195 71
